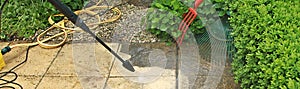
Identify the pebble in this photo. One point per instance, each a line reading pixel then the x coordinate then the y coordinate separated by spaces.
pixel 125 29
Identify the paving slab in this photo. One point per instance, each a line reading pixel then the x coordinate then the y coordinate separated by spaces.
pixel 29 74
pixel 59 82
pixel 27 82
pixel 162 83
pixel 63 72
pixel 63 64
pixel 121 83
pixel 62 68
pixel 38 60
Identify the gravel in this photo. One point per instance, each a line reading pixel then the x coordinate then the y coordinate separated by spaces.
pixel 126 29
pixel 130 29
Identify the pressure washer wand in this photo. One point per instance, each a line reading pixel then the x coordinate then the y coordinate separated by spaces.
pixel 78 22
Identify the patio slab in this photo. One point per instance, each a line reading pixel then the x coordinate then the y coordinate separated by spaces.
pixel 38 60
pixel 59 82
pixel 57 69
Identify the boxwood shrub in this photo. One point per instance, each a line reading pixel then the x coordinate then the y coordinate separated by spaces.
pixel 267 41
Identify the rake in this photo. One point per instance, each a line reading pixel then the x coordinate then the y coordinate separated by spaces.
pixel 187 20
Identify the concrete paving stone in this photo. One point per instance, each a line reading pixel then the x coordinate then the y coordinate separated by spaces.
pixel 162 83
pixel 92 82
pixel 91 79
pixel 119 70
pixel 62 73
pixel 13 54
pixel 141 53
pixel 104 57
pixel 63 64
pixel 121 83
pixel 14 57
pixel 3 44
pixel 86 64
pixel 38 60
pixel 89 57
pixel 59 82
pixel 27 82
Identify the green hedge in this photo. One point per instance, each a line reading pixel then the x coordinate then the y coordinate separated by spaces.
pixel 21 18
pixel 267 41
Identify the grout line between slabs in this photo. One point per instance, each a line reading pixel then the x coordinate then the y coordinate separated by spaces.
pixel 58 52
pixel 110 68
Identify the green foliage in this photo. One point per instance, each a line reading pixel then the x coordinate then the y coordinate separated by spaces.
pixel 165 15
pixel 21 18
pixel 266 37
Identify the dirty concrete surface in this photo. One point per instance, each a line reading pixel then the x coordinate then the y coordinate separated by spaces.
pixel 55 69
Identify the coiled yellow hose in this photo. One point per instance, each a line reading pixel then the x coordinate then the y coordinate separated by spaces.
pixel 61 25
pixel 66 31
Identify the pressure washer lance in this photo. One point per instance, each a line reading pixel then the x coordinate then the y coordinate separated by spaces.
pixel 78 22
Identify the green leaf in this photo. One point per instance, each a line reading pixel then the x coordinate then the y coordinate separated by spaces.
pixel 150 10
pixel 157 32
pixel 165 20
pixel 155 20
pixel 66 1
pixel 176 6
pixel 154 25
pixel 158 5
pixel 163 27
pixel 219 0
pixel 168 43
pixel 217 5
pixel 291 84
pixel 176 34
pixel 222 13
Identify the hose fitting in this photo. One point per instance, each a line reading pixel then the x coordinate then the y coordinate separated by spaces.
pixel 5 50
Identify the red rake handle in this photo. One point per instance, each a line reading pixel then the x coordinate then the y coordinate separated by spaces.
pixel 197 3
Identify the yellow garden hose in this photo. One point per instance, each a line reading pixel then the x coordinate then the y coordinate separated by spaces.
pixel 66 30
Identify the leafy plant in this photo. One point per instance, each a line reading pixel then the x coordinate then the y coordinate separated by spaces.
pixel 21 18
pixel 164 17
pixel 266 37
